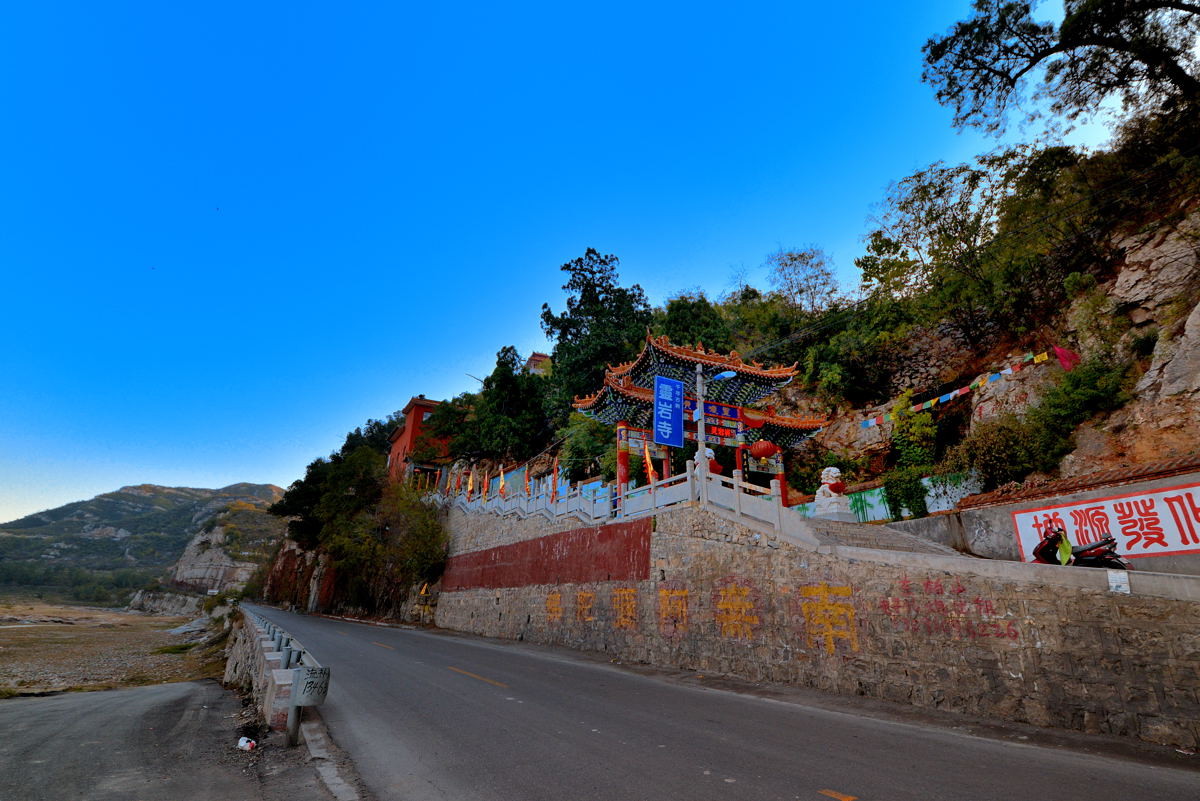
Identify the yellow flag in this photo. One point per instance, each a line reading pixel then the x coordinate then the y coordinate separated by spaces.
pixel 651 476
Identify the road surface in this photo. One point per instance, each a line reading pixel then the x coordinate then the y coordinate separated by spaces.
pixel 431 715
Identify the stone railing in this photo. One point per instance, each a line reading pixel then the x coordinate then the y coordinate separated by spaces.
pixel 732 498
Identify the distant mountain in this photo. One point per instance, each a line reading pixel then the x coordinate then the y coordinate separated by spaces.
pixel 144 526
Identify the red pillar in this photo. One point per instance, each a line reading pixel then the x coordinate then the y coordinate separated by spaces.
pixel 782 476
pixel 737 459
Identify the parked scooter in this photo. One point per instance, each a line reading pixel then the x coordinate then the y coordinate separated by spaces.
pixel 1102 553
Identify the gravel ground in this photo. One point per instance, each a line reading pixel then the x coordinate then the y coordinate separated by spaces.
pixel 46 648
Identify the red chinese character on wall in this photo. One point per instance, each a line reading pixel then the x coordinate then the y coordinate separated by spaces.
pixel 1186 512
pixel 1091 524
pixel 1139 522
pixel 1048 522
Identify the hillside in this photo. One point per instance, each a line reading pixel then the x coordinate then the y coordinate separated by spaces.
pixel 144 526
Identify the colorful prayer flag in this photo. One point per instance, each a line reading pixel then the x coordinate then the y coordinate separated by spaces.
pixel 1067 358
pixel 1041 357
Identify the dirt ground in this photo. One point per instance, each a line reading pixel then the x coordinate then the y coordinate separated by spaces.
pixel 50 648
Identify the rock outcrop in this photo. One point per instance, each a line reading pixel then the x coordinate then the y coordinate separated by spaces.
pixel 206 565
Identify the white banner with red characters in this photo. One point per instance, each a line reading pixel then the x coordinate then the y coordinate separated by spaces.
pixel 1154 523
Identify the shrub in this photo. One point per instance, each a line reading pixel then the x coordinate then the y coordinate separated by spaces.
pixel 903 489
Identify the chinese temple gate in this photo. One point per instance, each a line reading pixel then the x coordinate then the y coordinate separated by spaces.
pixel 626 400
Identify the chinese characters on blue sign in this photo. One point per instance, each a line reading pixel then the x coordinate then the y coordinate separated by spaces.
pixel 715 409
pixel 668 411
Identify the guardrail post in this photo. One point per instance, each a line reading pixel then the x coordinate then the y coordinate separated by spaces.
pixel 778 497
pixel 737 492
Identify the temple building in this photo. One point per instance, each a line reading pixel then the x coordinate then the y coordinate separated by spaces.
pixel 414 451
pixel 731 416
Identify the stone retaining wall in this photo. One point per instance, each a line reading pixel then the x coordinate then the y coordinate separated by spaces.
pixel 988 530
pixel 1040 644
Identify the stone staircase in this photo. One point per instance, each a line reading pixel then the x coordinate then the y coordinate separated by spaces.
pixel 865 535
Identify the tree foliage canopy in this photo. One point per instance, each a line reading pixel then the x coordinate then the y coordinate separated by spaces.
pixel 1139 50
pixel 604 323
pixel 691 319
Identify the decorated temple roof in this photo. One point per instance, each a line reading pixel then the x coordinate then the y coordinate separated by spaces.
pixel 620 399
pixel 752 383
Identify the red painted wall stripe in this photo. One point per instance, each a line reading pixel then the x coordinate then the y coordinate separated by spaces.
pixel 616 552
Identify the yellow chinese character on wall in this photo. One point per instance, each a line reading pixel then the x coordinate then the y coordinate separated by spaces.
pixel 584 601
pixel 554 607
pixel 624 602
pixel 735 609
pixel 672 611
pixel 826 618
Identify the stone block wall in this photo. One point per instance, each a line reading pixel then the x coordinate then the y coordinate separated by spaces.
pixel 1041 644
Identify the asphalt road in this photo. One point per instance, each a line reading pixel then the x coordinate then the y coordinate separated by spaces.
pixel 430 715
pixel 167 742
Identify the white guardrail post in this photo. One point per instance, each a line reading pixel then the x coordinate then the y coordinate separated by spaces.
pixel 737 492
pixel 777 497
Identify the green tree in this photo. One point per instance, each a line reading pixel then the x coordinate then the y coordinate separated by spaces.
pixel 585 441
pixel 690 319
pixel 510 414
pixel 603 324
pixel 805 277
pixel 913 434
pixel 1139 50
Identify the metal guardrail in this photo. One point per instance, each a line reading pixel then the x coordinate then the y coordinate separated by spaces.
pixel 294 653
pixel 309 682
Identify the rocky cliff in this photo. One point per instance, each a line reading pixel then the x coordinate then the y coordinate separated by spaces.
pixel 228 549
pixel 1150 297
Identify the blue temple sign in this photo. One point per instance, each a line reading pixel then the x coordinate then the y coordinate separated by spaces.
pixel 668 411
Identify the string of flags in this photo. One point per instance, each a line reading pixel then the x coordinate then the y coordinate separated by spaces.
pixel 1066 358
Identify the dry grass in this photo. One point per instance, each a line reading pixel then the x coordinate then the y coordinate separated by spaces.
pixel 48 648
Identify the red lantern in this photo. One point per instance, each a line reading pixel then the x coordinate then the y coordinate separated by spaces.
pixel 764 450
pixel 714 467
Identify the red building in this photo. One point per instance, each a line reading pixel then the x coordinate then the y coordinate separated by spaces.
pixel 413 450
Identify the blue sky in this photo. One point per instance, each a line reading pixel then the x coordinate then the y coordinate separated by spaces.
pixel 231 232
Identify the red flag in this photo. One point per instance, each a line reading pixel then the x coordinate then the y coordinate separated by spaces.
pixel 527 492
pixel 1067 358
